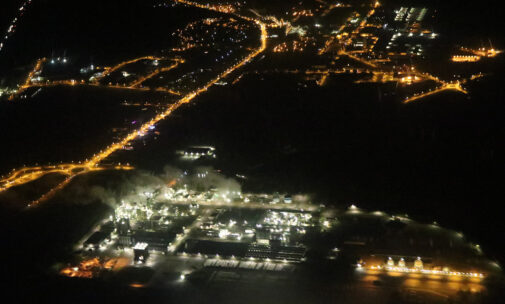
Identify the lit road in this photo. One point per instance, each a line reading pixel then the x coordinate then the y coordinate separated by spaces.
pixel 356 58
pixel 139 81
pixel 96 82
pixel 27 174
pixel 384 76
pixel 22 176
pixel 483 52
pixel 250 205
pixel 108 71
pixel 12 26
pixel 454 86
pixel 221 203
pixel 181 239
pixel 27 83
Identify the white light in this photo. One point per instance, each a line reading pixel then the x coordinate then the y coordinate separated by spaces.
pixel 223 233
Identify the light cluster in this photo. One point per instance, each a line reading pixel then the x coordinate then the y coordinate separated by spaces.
pixel 12 26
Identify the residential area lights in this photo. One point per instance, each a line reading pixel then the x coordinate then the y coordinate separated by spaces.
pixel 136 85
pixel 22 176
pixel 380 75
pixel 124 63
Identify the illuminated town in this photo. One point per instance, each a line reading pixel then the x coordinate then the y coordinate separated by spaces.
pixel 220 150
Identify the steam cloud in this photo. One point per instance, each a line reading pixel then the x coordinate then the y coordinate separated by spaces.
pixel 133 185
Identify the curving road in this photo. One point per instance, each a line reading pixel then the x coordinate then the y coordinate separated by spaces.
pixel 22 176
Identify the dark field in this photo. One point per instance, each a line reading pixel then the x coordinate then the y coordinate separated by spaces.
pixel 435 159
pixel 441 158
pixel 66 124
